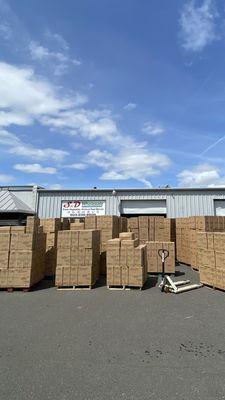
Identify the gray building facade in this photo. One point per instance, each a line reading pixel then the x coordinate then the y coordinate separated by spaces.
pixel 169 202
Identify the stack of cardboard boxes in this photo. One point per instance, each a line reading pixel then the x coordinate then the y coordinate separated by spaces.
pixel 152 229
pixel 154 260
pixel 78 254
pixel 126 262
pixel 183 240
pixel 109 228
pixel 211 258
pixel 22 255
pixel 51 226
pixel 186 236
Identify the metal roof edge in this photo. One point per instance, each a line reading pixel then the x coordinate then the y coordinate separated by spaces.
pixel 134 190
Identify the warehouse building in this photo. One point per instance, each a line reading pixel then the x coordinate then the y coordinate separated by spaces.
pixel 16 202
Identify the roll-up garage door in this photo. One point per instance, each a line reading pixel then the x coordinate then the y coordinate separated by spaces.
pixel 147 207
pixel 219 206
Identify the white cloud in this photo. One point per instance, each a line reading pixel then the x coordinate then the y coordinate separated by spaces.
pixel 19 148
pixel 7 138
pixel 14 118
pixel 114 176
pixel 198 25
pixel 152 128
pixel 201 175
pixel 56 37
pixel 39 52
pixel 79 166
pixel 6 178
pixel 89 124
pixel 34 169
pixel 39 154
pixel 134 162
pixel 23 92
pixel 28 98
pixel 61 60
pixel 130 106
pixel 103 128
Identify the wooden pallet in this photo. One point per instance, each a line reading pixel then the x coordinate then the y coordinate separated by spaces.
pixel 75 287
pixel 18 289
pixel 123 287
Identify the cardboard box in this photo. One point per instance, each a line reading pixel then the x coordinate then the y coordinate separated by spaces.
pixel 23 241
pixel 51 224
pixel 126 235
pixel 32 224
pixel 4 259
pixel 5 241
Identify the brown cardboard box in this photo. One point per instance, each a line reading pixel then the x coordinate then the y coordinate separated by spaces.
pixel 51 239
pixel 22 241
pixel 20 259
pixel 17 229
pixel 114 276
pixel 4 259
pixel 219 242
pixel 126 235
pixel 51 224
pixel 133 223
pixel 32 224
pixel 5 229
pixel 90 222
pixel 206 258
pixel 207 276
pixel 4 241
pixel 220 260
pixel 77 226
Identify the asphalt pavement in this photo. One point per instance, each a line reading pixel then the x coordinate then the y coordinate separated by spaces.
pixel 122 345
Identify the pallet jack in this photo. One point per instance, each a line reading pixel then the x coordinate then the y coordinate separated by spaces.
pixel 167 284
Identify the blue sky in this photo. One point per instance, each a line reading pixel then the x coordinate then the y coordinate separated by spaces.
pixel 112 94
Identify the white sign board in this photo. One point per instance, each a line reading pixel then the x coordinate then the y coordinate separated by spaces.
pixel 82 208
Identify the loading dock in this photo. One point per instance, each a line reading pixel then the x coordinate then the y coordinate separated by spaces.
pixel 134 208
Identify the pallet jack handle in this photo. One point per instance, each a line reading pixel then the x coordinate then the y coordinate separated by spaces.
pixel 163 254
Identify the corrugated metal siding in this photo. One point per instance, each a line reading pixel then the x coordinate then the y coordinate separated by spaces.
pixel 179 204
pixel 49 204
pixel 28 197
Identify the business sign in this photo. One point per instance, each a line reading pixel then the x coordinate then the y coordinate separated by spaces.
pixel 82 208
